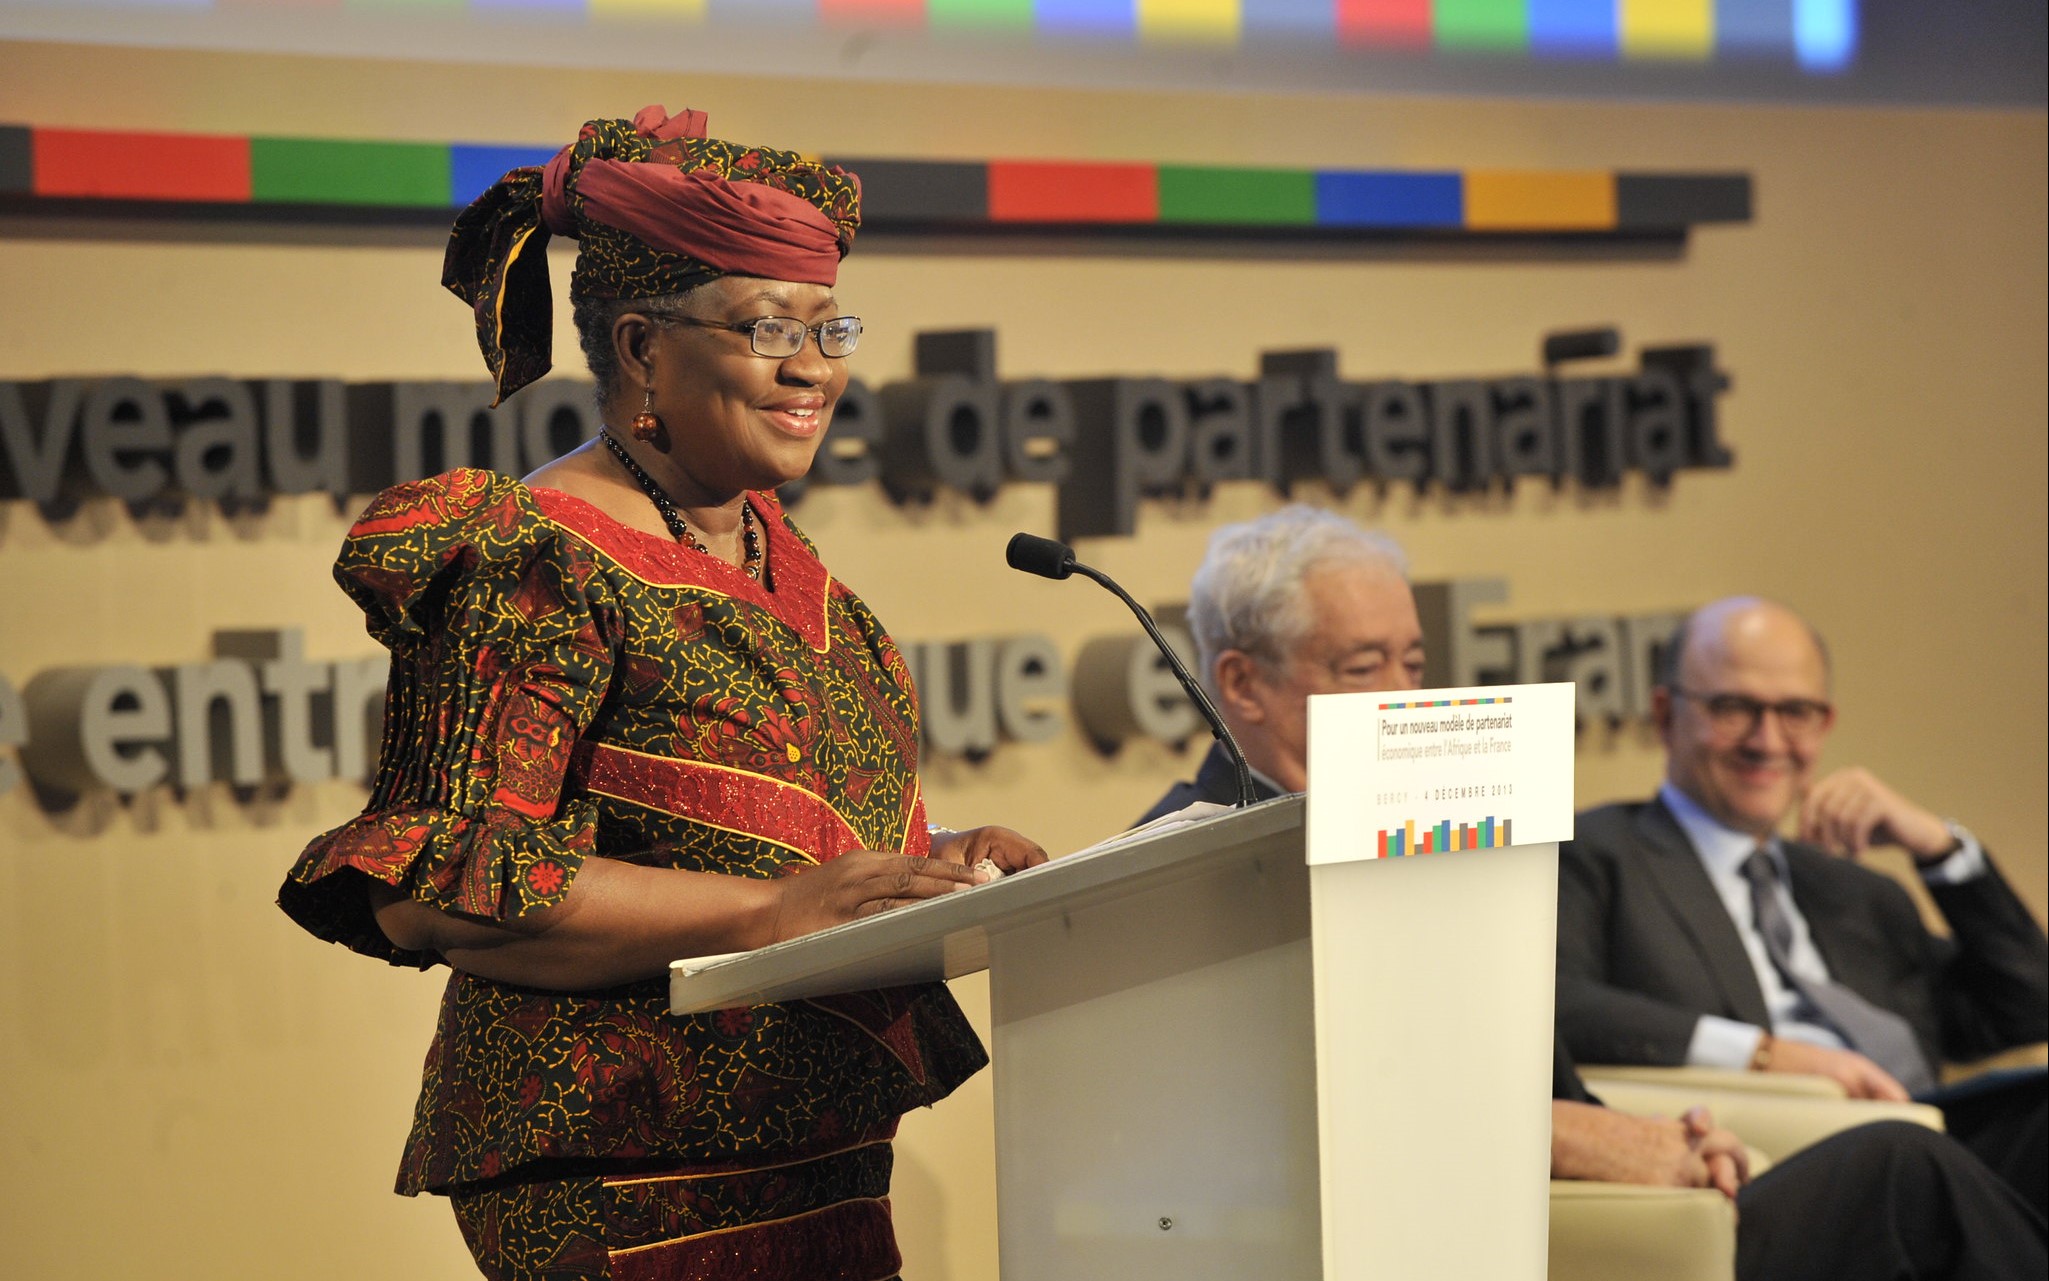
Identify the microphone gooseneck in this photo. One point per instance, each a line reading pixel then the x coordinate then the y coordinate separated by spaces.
pixel 1050 559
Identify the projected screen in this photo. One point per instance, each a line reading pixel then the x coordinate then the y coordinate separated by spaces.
pixel 1990 50
pixel 1819 35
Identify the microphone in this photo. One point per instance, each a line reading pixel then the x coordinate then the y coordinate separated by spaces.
pixel 1050 559
pixel 1041 556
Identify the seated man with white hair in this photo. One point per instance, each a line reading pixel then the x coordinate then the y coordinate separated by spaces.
pixel 1296 603
pixel 1304 602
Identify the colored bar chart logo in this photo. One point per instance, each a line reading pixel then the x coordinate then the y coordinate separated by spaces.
pixel 1445 836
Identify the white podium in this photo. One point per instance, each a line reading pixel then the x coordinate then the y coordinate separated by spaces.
pixel 1215 1061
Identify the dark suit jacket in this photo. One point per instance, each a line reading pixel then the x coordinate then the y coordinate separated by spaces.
pixel 1645 947
pixel 1216 780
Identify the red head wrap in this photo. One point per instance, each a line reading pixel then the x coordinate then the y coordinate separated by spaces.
pixel 658 208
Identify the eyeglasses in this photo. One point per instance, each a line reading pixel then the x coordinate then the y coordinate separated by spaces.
pixel 781 337
pixel 1738 715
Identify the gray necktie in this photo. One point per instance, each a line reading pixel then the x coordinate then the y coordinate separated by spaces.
pixel 1880 1035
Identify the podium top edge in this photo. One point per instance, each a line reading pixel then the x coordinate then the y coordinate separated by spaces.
pixel 1058 884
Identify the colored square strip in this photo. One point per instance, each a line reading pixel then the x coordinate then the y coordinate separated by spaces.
pixel 297 174
pixel 1819 35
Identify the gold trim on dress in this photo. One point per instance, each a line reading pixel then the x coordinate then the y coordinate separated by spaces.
pixel 701 822
pixel 882 1201
pixel 910 807
pixel 752 1169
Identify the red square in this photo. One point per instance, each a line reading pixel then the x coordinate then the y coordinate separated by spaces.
pixel 121 165
pixel 1036 191
pixel 888 13
pixel 1384 24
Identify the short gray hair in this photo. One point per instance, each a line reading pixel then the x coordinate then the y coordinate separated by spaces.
pixel 1247 595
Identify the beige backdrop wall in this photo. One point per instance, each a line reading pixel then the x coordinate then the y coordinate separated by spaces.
pixel 194 1089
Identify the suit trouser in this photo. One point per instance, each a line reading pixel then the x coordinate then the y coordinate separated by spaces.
pixel 1891 1201
pixel 2008 1128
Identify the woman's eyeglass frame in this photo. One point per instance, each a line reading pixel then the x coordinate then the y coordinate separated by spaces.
pixel 843 345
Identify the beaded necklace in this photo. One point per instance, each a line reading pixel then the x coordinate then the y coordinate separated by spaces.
pixel 750 536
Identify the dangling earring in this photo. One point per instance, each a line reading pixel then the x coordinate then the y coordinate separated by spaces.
pixel 645 425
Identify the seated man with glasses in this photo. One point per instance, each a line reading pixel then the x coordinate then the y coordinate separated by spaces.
pixel 1691 932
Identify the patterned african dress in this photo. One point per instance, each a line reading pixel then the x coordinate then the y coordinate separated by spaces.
pixel 562 687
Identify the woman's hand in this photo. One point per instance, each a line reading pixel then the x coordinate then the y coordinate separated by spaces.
pixel 857 884
pixel 999 846
pixel 624 922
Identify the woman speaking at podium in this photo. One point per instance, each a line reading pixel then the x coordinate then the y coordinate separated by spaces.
pixel 632 718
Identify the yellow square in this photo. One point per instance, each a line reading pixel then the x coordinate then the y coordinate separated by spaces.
pixel 1668 29
pixel 1204 21
pixel 690 10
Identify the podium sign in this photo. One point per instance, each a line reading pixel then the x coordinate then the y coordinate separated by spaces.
pixel 1433 824
pixel 1439 771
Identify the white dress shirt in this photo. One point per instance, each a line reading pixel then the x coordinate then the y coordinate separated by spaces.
pixel 1728 1043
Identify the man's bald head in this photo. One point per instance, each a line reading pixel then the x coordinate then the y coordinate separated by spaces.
pixel 1708 624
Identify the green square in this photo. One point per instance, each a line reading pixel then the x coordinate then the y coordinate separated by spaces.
pixel 1481 24
pixel 1237 197
pixel 323 172
pixel 979 13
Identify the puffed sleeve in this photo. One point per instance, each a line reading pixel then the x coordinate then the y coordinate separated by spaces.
pixel 502 636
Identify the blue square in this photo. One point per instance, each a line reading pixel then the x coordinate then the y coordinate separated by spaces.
pixel 1290 19
pixel 1825 34
pixel 1576 28
pixel 1754 26
pixel 1369 199
pixel 1086 17
pixel 472 169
